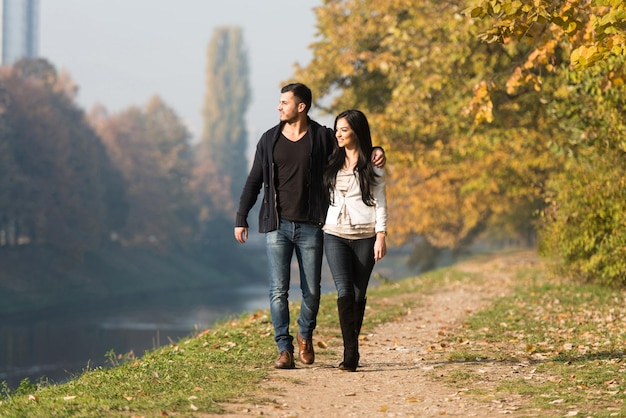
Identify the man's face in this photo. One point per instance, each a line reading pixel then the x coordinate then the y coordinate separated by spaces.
pixel 288 107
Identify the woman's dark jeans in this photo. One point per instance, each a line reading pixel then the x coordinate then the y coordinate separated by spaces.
pixel 351 263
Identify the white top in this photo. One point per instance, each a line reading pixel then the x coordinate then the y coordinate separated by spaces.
pixel 348 216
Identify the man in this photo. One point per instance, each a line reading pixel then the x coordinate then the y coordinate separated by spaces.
pixel 288 164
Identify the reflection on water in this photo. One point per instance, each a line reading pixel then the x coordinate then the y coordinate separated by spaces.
pixel 61 346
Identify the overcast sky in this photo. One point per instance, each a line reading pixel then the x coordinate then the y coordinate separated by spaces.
pixel 122 52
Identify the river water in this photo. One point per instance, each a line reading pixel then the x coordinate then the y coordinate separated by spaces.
pixel 59 346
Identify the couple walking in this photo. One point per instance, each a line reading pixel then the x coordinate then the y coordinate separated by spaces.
pixel 321 188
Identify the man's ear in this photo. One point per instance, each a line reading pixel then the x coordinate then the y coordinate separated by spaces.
pixel 301 107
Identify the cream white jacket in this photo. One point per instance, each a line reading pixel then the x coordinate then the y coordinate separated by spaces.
pixel 360 213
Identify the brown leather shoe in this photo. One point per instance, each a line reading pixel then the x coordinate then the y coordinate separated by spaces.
pixel 307 355
pixel 285 361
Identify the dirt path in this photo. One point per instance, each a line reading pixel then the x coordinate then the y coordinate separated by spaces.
pixel 402 363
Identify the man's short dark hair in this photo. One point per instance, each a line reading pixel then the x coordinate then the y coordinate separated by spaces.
pixel 300 91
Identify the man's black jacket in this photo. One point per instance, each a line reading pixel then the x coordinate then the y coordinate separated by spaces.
pixel 262 175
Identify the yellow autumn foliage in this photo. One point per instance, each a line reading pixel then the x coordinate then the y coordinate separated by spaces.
pixel 420 72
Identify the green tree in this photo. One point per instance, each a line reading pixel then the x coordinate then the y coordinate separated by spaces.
pixel 583 227
pixel 224 140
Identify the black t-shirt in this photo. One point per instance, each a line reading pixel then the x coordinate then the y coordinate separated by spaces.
pixel 292 161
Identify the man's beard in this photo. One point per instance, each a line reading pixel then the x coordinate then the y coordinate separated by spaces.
pixel 284 118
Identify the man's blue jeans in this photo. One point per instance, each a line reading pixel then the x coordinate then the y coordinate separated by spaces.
pixel 351 263
pixel 307 242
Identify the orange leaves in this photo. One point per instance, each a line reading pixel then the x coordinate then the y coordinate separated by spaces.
pixel 526 75
pixel 149 146
pixel 481 105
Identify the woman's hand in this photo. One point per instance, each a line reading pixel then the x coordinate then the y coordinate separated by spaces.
pixel 378 157
pixel 380 246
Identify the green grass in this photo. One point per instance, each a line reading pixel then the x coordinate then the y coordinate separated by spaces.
pixel 193 374
pixel 558 347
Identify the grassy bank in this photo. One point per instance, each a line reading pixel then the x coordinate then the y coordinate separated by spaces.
pixel 37 279
pixel 567 338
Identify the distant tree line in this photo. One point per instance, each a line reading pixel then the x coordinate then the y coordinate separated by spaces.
pixel 77 181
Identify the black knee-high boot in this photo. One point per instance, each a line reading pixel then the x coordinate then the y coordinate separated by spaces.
pixel 345 306
pixel 359 313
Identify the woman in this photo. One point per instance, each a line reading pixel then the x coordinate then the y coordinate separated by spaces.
pixel 356 225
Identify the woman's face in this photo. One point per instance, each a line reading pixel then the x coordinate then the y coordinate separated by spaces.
pixel 345 135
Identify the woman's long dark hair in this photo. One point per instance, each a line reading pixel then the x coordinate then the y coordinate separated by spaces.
pixel 367 177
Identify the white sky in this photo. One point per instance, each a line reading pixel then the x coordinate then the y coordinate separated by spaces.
pixel 122 52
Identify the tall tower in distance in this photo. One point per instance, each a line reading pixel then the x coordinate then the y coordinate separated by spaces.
pixel 19 30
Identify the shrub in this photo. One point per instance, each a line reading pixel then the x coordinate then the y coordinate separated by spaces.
pixel 585 223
